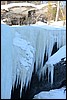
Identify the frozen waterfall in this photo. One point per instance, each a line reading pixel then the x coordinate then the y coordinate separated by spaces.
pixel 21 47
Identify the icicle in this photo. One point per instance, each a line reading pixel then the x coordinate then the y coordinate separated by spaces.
pixel 52 73
pixel 49 70
pixel 42 71
pixel 21 90
pixel 52 37
pixel 64 37
pixel 40 48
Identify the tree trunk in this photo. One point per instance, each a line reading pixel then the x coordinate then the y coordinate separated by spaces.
pixel 57 14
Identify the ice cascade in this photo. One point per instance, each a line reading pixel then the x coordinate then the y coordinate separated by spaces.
pixel 21 47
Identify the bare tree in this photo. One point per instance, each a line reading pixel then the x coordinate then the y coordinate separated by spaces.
pixel 58 7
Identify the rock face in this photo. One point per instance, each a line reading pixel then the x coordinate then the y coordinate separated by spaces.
pixel 37 86
pixel 60 73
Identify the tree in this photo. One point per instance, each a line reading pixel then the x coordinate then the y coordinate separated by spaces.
pixel 50 10
pixel 58 7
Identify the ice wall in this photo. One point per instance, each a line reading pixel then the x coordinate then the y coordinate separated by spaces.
pixel 22 46
pixel 6 62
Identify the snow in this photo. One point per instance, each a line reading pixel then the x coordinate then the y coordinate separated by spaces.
pixel 40 23
pixel 58 23
pixel 52 94
pixel 56 57
pixel 2 22
pixel 50 27
pixel 23 45
pixel 6 7
pixel 41 6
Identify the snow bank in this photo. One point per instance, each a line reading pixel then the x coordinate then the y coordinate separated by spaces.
pixel 52 94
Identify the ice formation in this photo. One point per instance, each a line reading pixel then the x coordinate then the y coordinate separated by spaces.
pixel 22 46
pixel 6 62
pixel 55 58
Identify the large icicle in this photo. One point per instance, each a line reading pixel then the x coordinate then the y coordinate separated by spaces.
pixel 40 48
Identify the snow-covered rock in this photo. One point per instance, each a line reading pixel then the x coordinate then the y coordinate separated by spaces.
pixel 52 94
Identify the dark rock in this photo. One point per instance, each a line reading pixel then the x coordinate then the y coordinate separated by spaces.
pixel 54 50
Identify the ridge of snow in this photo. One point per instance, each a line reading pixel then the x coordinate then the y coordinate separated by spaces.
pixel 16 4
pixel 23 4
pixel 46 26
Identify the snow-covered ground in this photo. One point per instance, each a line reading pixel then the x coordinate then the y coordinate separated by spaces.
pixel 52 94
pixel 23 4
pixel 58 23
pixel 20 47
pixel 6 7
